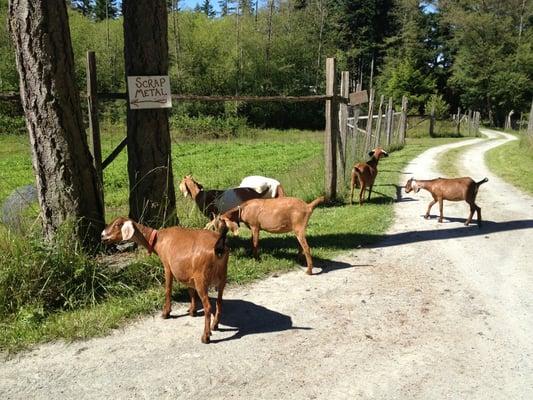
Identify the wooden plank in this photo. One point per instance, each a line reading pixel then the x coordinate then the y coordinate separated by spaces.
pixel 343 128
pixel 379 124
pixel 109 159
pixel 369 121
pixel 94 126
pixel 358 98
pixel 403 119
pixel 331 132
pixel 432 121
pixel 390 122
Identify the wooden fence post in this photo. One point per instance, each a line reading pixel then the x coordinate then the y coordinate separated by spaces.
pixel 530 122
pixel 458 127
pixel 379 125
pixel 432 121
pixel 369 121
pixel 331 132
pixel 343 127
pixel 390 116
pixel 403 120
pixel 94 126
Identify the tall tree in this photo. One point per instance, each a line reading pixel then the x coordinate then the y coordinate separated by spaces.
pixel 224 7
pixel 105 9
pixel 152 196
pixel 86 7
pixel 207 9
pixel 67 183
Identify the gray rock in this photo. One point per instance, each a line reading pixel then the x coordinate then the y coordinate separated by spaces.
pixel 14 205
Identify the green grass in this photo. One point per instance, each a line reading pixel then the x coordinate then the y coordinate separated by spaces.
pixel 513 162
pixel 447 164
pixel 294 157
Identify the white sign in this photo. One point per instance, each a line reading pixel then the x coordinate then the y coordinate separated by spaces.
pixel 149 92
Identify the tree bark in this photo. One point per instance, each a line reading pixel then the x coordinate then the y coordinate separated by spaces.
pixel 67 183
pixel 152 197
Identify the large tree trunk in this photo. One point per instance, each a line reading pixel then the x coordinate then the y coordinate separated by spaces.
pixel 67 183
pixel 152 197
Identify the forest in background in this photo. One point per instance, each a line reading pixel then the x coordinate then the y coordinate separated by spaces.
pixel 452 53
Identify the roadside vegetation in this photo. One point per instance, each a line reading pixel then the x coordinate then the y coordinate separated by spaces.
pixel 513 161
pixel 56 291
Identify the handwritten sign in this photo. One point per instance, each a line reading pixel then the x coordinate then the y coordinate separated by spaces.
pixel 149 92
pixel 358 98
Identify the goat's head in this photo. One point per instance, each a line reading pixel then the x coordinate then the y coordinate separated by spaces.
pixel 231 219
pixel 411 185
pixel 378 153
pixel 186 183
pixel 119 230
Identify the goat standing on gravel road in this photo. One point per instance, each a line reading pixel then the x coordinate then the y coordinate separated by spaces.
pixel 455 189
pixel 195 257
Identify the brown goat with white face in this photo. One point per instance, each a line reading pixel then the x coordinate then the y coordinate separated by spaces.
pixel 278 215
pixel 196 258
pixel 365 174
pixel 455 189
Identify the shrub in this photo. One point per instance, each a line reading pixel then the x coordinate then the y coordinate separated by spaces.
pixel 209 126
pixel 10 125
pixel 441 107
pixel 38 277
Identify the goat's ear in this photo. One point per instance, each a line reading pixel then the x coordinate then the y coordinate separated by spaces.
pixel 371 153
pixel 127 230
pixel 385 154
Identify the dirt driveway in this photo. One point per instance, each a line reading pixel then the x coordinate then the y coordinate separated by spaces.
pixel 435 311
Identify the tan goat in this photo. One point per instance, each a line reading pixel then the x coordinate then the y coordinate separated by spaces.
pixel 365 174
pixel 455 189
pixel 278 215
pixel 196 258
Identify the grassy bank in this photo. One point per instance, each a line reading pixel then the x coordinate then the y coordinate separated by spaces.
pixel 106 296
pixel 513 162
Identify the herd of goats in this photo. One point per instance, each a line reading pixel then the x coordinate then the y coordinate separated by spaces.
pixel 198 258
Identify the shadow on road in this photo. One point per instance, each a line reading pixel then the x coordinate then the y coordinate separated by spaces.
pixel 246 318
pixel 487 228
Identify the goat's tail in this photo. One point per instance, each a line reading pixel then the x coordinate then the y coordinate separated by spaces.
pixel 220 245
pixel 316 202
pixel 482 182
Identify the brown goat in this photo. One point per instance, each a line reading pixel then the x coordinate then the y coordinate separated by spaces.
pixel 366 174
pixel 213 202
pixel 196 258
pixel 455 189
pixel 278 215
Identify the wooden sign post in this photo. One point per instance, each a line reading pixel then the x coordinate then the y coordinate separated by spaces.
pixel 149 92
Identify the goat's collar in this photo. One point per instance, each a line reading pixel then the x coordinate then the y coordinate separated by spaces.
pixel 151 241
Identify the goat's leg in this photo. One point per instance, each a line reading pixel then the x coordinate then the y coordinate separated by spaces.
pixel 478 216
pixel 218 311
pixel 192 308
pixel 352 186
pixel 168 292
pixel 362 194
pixel 472 210
pixel 441 206
pixel 370 192
pixel 300 235
pixel 255 242
pixel 202 292
pixel 431 204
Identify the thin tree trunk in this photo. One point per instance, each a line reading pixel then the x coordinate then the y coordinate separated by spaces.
pixel 67 182
pixel 152 196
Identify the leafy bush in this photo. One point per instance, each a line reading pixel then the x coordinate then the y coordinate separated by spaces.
pixel 12 125
pixel 38 277
pixel 441 107
pixel 208 126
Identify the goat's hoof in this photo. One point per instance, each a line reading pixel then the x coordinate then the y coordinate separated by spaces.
pixel 192 313
pixel 309 271
pixel 440 220
pixel 206 339
pixel 165 314
pixel 214 327
pixel 426 216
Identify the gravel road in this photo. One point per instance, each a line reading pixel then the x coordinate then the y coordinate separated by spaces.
pixel 435 311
